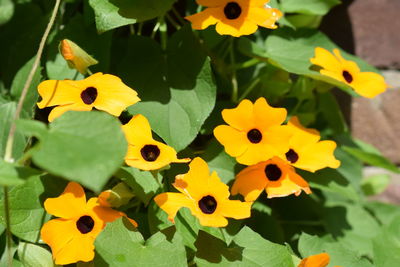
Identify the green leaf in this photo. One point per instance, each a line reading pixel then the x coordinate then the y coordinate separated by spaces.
pixel 387 245
pixel 86 147
pixel 383 212
pixel 19 82
pixel 370 155
pixel 6 11
pixel 375 184
pixel 142 10
pixel 247 248
pixel 177 93
pixel 143 184
pixel 332 113
pixel 107 15
pixel 11 174
pixel 339 256
pixel 311 7
pixel 32 255
pixel 26 205
pixel 32 128
pixel 7 112
pixel 132 250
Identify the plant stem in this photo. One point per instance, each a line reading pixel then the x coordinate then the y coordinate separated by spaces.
pixel 178 16
pixel 163 33
pixel 234 79
pixel 11 135
pixel 250 88
pixel 172 21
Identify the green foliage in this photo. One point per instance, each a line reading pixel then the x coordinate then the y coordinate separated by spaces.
pixel 185 78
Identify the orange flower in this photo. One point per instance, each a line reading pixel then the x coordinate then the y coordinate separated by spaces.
pixel 101 91
pixel 278 178
pixel 71 237
pixel 319 260
pixel 306 151
pixel 144 152
pixel 205 195
pixel 367 84
pixel 254 133
pixel 235 17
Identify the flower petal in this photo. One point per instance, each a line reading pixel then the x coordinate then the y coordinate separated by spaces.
pixel 241 117
pixel 113 95
pixel 236 27
pixel 292 183
pixel 234 141
pixel 326 60
pixel 205 18
pixel 348 65
pixel 212 220
pixel 265 17
pixel 70 204
pixel 211 3
pixel 55 93
pixel 318 156
pixel 172 202
pixel 369 84
pixel 250 182
pixel 236 209
pixel 59 110
pixel 80 248
pixel 137 126
pixel 319 260
pixel 267 116
pixel 57 233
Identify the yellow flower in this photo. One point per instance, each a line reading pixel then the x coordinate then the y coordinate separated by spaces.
pixel 235 17
pixel 144 152
pixel 101 91
pixel 205 195
pixel 278 178
pixel 71 237
pixel 76 57
pixel 254 133
pixel 367 84
pixel 319 260
pixel 306 151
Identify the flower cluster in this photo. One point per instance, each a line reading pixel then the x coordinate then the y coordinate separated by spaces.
pixel 256 136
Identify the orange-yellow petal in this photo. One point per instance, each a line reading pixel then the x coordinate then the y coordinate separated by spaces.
pixel 369 84
pixel 205 18
pixel 234 141
pixel 266 116
pixel 318 260
pixel 80 248
pixel 212 221
pixel 211 3
pixel 265 17
pixel 58 233
pixel 113 96
pixel 326 60
pixel 236 27
pixel 70 204
pixel 241 117
pixel 55 93
pixel 291 183
pixel 59 110
pixel 347 65
pixel 250 182
pixel 137 126
pixel 236 209
pixel 172 202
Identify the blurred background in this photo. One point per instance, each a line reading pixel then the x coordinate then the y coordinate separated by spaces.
pixel 373 36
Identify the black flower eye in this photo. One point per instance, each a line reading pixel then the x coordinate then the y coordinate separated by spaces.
pixel 292 156
pixel 273 172
pixel 208 204
pixel 150 152
pixel 347 76
pixel 254 136
pixel 85 224
pixel 89 95
pixel 232 10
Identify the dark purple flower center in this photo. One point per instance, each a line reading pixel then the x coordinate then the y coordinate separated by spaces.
pixel 232 10
pixel 292 156
pixel 89 95
pixel 85 224
pixel 254 136
pixel 150 152
pixel 347 76
pixel 273 172
pixel 208 204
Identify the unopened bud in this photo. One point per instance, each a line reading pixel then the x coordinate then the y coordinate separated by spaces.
pixel 76 57
pixel 117 196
